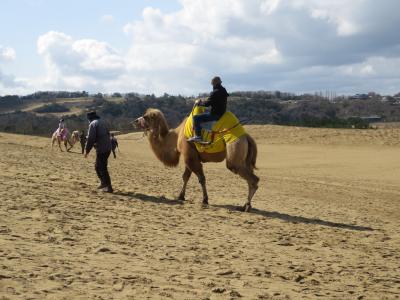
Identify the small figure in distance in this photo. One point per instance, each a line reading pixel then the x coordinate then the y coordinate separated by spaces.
pixel 114 144
pixel 82 140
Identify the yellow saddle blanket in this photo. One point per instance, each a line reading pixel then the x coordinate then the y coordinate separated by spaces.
pixel 226 130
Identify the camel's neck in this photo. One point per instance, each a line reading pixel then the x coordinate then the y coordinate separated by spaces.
pixel 164 145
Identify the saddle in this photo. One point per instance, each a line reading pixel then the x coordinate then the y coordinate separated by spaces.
pixel 215 134
pixel 63 133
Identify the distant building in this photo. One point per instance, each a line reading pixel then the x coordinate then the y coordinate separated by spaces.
pixel 372 119
pixel 359 97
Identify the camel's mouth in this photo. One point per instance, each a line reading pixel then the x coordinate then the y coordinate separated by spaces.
pixel 140 123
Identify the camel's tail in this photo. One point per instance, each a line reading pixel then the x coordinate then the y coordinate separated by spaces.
pixel 252 153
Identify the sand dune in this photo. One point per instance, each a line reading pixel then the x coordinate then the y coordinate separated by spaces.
pixel 325 222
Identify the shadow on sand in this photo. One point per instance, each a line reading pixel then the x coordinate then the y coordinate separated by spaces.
pixel 296 219
pixel 148 198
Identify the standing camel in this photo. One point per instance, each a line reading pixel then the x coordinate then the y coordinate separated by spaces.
pixel 168 144
pixel 63 137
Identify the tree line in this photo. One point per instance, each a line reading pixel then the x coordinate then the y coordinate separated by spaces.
pixel 249 107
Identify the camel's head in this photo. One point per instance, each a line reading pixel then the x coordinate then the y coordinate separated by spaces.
pixel 150 119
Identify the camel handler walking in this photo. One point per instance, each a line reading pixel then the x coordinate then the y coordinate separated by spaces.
pixel 99 137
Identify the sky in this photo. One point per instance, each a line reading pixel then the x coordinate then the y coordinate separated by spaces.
pixel 177 46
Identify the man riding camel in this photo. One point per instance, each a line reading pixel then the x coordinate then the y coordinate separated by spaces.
pixel 217 100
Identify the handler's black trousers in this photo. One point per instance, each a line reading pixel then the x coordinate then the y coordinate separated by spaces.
pixel 101 168
pixel 83 147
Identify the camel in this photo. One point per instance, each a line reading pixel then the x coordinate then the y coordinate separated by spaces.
pixel 74 138
pixel 63 136
pixel 168 144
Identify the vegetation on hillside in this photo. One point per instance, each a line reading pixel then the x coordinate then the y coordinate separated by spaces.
pixel 250 107
pixel 51 108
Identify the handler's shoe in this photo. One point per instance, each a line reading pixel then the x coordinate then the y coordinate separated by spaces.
pixel 101 186
pixel 195 139
pixel 108 189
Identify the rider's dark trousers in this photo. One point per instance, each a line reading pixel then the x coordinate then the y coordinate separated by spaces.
pixel 202 118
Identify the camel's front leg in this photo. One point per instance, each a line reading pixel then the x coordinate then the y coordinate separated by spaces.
pixel 202 180
pixel 185 177
pixel 195 166
pixel 59 145
pixel 70 145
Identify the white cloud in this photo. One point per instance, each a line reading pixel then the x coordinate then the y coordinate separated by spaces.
pixel 7 53
pixel 78 63
pixel 292 45
pixel 107 19
pixel 269 6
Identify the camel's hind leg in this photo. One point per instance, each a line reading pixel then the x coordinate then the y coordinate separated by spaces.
pixel 185 177
pixel 71 143
pixel 239 162
pixel 66 142
pixel 252 182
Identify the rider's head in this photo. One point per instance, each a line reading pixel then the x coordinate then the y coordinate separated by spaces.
pixel 216 81
pixel 61 120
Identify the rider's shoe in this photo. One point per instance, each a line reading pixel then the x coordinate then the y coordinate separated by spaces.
pixel 195 139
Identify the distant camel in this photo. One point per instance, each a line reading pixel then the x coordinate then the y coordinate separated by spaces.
pixel 168 144
pixel 74 139
pixel 63 137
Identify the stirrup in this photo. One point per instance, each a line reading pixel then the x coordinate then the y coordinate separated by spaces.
pixel 196 139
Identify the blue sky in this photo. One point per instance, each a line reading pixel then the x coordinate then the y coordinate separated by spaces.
pixel 23 21
pixel 176 46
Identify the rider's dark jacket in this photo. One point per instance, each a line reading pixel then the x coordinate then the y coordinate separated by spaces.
pixel 217 100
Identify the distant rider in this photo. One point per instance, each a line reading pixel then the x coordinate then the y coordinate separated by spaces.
pixel 82 140
pixel 61 127
pixel 114 144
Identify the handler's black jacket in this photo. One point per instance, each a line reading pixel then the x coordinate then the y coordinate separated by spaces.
pixel 98 136
pixel 217 100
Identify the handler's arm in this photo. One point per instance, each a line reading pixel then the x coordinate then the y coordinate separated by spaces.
pixel 91 137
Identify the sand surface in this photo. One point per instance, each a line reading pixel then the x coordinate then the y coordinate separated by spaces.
pixel 325 222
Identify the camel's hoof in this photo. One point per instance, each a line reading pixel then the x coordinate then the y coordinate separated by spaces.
pixel 247 208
